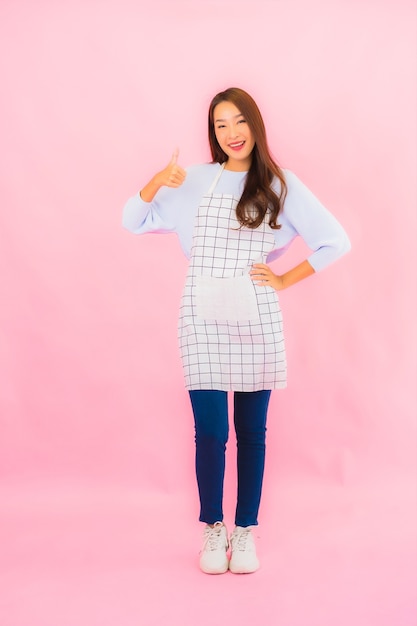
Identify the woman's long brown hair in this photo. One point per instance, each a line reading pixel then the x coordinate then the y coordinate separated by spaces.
pixel 258 197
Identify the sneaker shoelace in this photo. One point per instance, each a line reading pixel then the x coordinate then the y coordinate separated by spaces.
pixel 240 539
pixel 213 538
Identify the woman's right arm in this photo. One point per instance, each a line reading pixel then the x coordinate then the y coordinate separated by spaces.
pixel 173 175
pixel 139 215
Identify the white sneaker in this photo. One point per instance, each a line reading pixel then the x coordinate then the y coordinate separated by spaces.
pixel 244 559
pixel 213 559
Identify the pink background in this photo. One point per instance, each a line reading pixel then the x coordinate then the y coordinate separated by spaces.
pixel 98 504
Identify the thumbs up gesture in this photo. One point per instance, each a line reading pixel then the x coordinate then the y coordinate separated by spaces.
pixel 173 175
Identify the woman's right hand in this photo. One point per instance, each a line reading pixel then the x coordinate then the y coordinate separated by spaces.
pixel 173 175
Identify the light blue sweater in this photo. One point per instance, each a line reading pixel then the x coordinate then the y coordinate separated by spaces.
pixel 174 210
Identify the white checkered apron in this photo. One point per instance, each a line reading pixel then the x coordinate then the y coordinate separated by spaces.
pixel 230 330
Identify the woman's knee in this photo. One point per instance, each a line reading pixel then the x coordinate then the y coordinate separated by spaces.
pixel 210 415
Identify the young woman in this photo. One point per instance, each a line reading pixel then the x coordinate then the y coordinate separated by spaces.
pixel 232 217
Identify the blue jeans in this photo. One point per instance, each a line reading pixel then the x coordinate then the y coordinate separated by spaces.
pixel 211 435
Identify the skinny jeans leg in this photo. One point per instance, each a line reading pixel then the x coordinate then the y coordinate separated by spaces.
pixel 211 435
pixel 250 413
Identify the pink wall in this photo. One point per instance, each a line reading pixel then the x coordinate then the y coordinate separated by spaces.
pixel 94 98
pixel 96 436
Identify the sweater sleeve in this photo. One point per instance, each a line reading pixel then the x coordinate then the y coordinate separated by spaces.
pixel 309 219
pixel 158 216
pixel 172 210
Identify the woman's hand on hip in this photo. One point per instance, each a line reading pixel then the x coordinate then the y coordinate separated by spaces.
pixel 262 275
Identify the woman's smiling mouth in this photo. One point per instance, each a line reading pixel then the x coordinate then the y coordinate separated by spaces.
pixel 237 146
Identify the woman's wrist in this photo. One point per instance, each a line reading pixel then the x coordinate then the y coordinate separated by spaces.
pixel 279 282
pixel 300 272
pixel 150 190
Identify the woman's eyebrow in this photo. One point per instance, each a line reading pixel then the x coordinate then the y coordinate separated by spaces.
pixel 234 117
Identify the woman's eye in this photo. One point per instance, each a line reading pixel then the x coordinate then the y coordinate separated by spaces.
pixel 220 126
pixel 242 122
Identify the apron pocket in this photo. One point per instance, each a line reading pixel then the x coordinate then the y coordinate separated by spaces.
pixel 226 299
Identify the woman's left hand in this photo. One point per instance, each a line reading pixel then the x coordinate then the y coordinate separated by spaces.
pixel 262 275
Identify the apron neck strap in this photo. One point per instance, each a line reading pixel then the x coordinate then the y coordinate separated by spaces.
pixel 216 180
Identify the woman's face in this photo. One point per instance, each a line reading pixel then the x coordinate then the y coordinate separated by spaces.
pixel 234 136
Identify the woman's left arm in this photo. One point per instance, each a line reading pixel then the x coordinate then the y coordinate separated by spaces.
pixel 304 215
pixel 319 228
pixel 262 274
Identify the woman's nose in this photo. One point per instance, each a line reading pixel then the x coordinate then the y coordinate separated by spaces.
pixel 233 132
